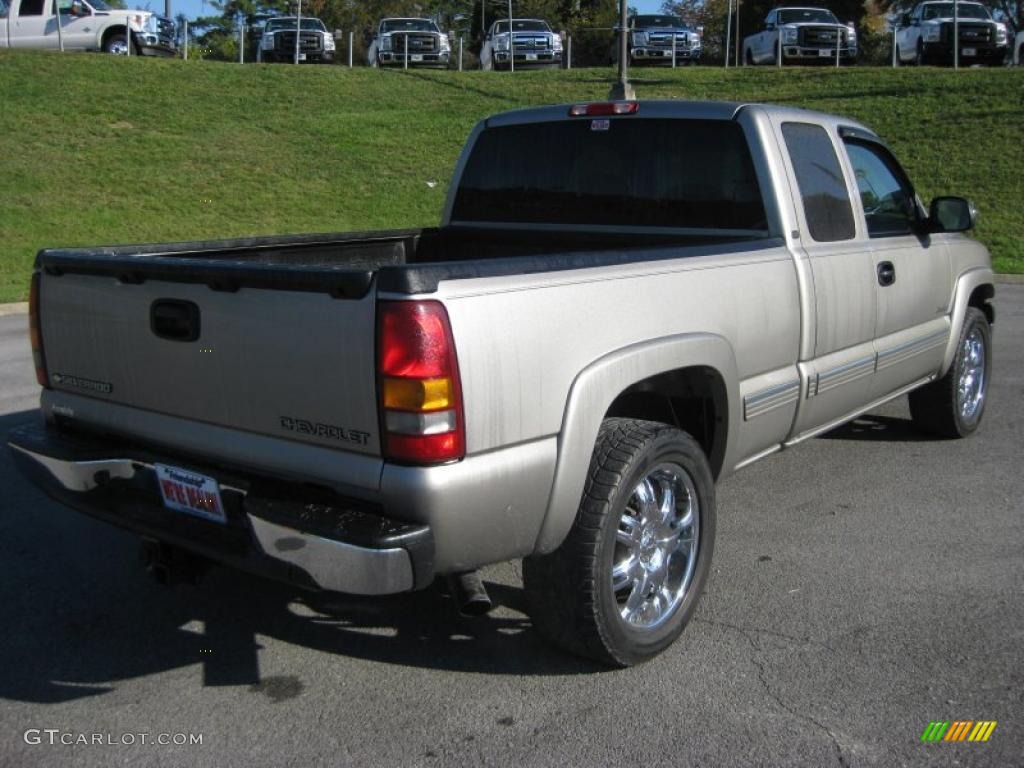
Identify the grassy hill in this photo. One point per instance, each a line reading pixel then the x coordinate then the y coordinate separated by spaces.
pixel 102 150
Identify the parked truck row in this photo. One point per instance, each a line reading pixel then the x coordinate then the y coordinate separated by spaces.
pixel 789 35
pixel 622 304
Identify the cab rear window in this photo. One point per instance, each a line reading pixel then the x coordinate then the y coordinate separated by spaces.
pixel 613 172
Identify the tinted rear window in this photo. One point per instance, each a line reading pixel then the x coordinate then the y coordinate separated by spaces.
pixel 613 172
pixel 822 186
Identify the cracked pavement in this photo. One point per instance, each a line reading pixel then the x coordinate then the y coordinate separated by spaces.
pixel 864 584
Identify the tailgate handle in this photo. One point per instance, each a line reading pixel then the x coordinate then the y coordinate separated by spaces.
pixel 174 320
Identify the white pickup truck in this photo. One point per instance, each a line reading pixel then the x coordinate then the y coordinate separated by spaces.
pixel 624 302
pixel 812 35
pixel 85 25
pixel 521 43
pixel 925 34
pixel 409 43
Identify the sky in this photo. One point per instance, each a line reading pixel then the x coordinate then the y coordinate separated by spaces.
pixel 196 8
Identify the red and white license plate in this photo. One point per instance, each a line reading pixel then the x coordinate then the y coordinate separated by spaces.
pixel 191 493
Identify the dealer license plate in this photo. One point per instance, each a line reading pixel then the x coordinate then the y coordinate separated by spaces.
pixel 191 493
pixel 302 57
pixel 969 51
pixel 416 57
pixel 531 57
pixel 823 53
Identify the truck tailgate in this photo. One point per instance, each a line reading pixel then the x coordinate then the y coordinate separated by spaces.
pixel 293 364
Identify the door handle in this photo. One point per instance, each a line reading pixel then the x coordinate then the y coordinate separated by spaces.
pixel 174 320
pixel 886 273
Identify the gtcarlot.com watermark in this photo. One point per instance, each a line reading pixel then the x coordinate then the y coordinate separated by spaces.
pixel 56 737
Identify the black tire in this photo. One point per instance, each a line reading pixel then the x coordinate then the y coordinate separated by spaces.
pixel 573 603
pixel 919 57
pixel 936 407
pixel 748 58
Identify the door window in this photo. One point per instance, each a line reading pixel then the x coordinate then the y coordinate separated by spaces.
pixel 31 7
pixel 820 179
pixel 887 198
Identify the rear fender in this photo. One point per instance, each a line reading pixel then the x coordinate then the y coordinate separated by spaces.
pixel 593 392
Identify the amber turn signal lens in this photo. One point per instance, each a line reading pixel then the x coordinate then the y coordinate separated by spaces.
pixel 417 394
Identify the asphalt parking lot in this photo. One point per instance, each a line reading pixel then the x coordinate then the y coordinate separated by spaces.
pixel 864 584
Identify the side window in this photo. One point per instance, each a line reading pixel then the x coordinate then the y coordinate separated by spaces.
pixel 32 7
pixel 888 200
pixel 820 179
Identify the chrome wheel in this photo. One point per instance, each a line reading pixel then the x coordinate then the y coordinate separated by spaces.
pixel 970 390
pixel 118 47
pixel 656 547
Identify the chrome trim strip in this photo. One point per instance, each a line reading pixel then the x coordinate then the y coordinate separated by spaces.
pixel 765 400
pixel 843 374
pixel 902 352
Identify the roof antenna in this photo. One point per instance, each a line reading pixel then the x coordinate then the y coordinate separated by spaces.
pixel 622 90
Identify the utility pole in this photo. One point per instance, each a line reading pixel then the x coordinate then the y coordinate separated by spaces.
pixel 298 29
pixel 60 31
pixel 622 90
pixel 728 34
pixel 511 41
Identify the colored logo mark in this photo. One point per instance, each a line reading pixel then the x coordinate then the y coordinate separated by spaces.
pixel 958 730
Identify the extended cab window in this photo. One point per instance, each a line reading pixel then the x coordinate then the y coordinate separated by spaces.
pixel 31 7
pixel 822 187
pixel 617 172
pixel 887 198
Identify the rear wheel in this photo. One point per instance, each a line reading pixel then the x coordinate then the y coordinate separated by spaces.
pixel 626 580
pixel 953 405
pixel 748 57
pixel 919 58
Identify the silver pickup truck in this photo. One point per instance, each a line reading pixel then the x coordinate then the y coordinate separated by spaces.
pixel 624 303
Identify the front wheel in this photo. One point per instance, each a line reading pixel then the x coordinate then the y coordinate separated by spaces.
pixel 117 44
pixel 626 580
pixel 953 405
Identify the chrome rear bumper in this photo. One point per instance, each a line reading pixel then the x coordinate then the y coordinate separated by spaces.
pixel 316 545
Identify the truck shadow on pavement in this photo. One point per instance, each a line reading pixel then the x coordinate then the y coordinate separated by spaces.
pixel 881 429
pixel 81 615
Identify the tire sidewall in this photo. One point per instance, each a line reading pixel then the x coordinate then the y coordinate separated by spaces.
pixel 975 319
pixel 635 645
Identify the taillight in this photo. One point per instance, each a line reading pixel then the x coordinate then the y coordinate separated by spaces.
pixel 604 108
pixel 420 392
pixel 35 333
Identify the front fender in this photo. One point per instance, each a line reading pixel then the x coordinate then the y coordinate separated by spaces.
pixel 965 286
pixel 593 392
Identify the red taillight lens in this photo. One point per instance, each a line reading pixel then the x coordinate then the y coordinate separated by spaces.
pixel 604 108
pixel 35 333
pixel 420 392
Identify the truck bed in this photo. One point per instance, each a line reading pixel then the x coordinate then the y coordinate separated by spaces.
pixel 407 260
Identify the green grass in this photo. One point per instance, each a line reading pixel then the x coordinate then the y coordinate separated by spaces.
pixel 98 150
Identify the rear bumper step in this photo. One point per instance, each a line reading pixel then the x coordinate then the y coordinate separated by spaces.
pixel 320 546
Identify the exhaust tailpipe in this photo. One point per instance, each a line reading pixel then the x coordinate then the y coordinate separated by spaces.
pixel 470 593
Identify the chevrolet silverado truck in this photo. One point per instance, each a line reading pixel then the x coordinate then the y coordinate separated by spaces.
pixel 85 25
pixel 409 43
pixel 925 35
pixel 521 43
pixel 807 35
pixel 623 303
pixel 650 40
pixel 277 41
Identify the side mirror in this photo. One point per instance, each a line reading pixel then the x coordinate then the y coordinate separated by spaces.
pixel 951 214
pixel 769 26
pixel 905 20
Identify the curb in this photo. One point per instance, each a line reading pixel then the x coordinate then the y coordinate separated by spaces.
pixel 1010 279
pixel 17 308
